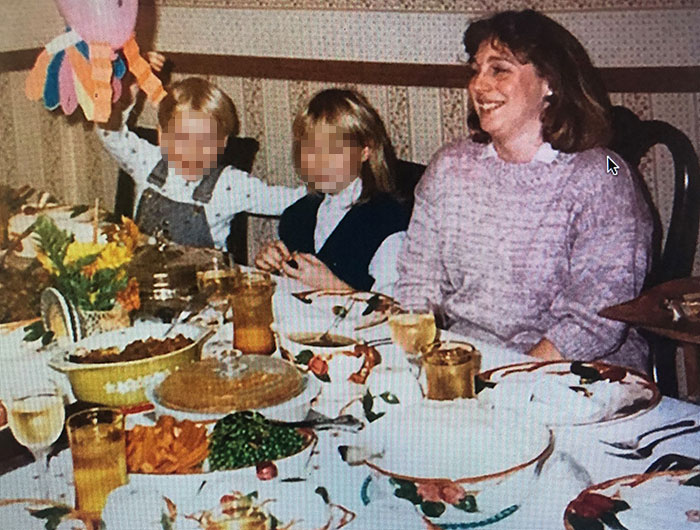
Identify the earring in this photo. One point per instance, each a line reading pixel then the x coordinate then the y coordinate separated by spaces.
pixel 549 93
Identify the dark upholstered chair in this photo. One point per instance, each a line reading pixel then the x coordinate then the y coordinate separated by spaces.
pixel 674 258
pixel 239 153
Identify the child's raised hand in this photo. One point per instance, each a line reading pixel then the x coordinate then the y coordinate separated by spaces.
pixel 313 272
pixel 156 60
pixel 272 256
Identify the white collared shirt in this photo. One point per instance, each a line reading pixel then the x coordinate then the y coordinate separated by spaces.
pixel 545 153
pixel 332 210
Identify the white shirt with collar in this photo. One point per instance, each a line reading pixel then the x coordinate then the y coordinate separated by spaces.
pixel 331 211
pixel 545 153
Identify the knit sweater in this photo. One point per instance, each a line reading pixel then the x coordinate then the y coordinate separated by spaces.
pixel 513 253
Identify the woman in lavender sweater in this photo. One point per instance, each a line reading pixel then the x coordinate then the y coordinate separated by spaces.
pixel 519 235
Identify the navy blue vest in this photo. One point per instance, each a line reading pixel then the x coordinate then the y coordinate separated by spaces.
pixel 349 249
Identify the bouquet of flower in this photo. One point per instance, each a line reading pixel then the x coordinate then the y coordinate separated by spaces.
pixel 93 276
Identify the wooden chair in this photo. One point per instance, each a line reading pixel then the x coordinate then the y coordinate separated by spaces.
pixel 673 255
pixel 239 153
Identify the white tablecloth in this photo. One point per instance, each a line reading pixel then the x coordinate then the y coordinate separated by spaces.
pixel 578 461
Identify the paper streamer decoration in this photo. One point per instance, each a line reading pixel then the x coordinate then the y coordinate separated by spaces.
pixel 85 65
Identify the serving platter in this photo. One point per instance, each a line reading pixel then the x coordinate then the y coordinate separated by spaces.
pixel 361 308
pixel 565 393
pixel 639 502
pixel 167 449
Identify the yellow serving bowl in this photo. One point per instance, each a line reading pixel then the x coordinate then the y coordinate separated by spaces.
pixel 123 384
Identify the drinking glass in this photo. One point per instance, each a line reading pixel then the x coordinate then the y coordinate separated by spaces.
pixel 251 301
pixel 413 330
pixel 36 420
pixel 216 280
pixel 98 447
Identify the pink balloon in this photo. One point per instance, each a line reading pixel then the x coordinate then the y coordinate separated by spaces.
pixel 110 21
pixel 66 87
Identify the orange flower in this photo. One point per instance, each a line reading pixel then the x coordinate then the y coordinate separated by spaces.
pixel 129 297
pixel 318 366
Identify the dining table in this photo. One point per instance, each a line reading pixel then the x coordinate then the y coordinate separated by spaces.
pixel 579 458
pixel 651 311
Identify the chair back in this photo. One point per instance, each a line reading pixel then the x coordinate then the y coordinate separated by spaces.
pixel 673 255
pixel 632 140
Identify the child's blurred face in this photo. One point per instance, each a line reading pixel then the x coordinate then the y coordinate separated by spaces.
pixel 191 144
pixel 329 160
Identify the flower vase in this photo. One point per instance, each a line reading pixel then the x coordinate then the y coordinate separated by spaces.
pixel 92 321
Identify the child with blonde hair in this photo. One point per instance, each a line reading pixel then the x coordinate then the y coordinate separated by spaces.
pixel 347 231
pixel 181 186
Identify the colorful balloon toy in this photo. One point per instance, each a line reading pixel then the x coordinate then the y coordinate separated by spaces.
pixel 85 65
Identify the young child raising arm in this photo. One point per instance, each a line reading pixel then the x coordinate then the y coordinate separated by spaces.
pixel 348 231
pixel 181 186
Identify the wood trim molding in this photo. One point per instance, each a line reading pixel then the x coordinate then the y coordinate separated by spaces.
pixel 649 79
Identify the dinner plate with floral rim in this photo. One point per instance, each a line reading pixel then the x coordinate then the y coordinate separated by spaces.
pixel 38 514
pixel 566 393
pixel 653 501
pixel 293 505
pixel 363 309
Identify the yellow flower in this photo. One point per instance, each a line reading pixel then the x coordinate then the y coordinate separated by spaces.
pixel 113 256
pixel 45 261
pixel 77 250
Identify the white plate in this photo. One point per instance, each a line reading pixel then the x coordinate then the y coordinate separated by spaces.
pixel 136 506
pixel 56 312
pixel 550 393
pixel 295 409
pixel 329 302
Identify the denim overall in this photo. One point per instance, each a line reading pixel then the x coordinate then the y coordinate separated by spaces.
pixel 182 223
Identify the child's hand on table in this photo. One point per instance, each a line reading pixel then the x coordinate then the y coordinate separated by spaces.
pixel 313 272
pixel 272 256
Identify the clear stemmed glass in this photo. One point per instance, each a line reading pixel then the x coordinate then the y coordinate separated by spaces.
pixel 36 419
pixel 413 330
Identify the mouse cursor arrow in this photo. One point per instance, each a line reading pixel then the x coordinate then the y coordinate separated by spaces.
pixel 612 166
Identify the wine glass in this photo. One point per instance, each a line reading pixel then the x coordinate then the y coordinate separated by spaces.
pixel 36 419
pixel 413 330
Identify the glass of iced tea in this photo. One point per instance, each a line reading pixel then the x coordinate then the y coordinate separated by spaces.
pixel 36 421
pixel 98 446
pixel 413 330
pixel 251 301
